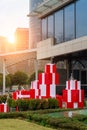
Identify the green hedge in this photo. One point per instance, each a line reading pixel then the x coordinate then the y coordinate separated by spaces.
pixel 33 104
pixel 76 123
pixel 63 123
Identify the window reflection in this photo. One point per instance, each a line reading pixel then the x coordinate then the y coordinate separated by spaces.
pixel 44 29
pixel 50 26
pixel 66 24
pixel 69 23
pixel 81 18
pixel 59 26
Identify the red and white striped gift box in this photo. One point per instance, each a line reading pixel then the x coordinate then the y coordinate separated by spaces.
pixel 23 94
pixel 81 95
pixel 50 68
pixel 55 78
pixel 53 90
pixel 43 90
pixel 35 84
pixel 75 95
pixel 73 85
pixel 67 96
pixel 3 107
pixel 45 78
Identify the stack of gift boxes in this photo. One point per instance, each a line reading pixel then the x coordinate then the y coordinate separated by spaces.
pixel 45 86
pixel 73 96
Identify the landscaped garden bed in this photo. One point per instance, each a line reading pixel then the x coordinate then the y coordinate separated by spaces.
pixel 78 122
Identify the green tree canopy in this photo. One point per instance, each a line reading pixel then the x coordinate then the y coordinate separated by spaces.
pixel 20 78
pixel 8 81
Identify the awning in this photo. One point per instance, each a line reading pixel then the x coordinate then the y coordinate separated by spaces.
pixel 47 7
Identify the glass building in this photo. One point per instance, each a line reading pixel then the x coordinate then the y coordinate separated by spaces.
pixel 63 29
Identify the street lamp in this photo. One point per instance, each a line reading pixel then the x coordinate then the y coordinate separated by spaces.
pixel 4 60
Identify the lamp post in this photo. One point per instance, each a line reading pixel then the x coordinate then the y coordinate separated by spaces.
pixel 4 76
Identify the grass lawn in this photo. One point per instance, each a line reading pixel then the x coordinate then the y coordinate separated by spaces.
pixel 16 124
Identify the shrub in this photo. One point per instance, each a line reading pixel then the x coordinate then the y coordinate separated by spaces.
pixel 11 103
pixel 32 104
pixel 3 98
pixel 44 104
pixel 53 103
pixel 22 104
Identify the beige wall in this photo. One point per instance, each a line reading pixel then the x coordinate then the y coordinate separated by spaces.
pixel 46 48
pixel 34 32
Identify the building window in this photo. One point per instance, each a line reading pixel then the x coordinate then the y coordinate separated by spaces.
pixel 69 22
pixel 50 26
pixel 44 28
pixel 66 24
pixel 81 18
pixel 59 26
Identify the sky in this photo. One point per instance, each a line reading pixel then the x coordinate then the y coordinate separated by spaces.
pixel 13 14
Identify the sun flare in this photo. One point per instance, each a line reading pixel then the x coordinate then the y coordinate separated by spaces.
pixel 11 39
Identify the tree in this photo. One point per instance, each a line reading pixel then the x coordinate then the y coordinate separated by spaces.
pixel 8 81
pixel 11 80
pixel 20 78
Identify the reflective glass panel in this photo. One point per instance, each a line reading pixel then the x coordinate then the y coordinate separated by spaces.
pixel 81 18
pixel 50 26
pixel 69 22
pixel 44 29
pixel 59 26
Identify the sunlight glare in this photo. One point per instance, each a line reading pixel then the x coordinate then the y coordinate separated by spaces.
pixel 11 39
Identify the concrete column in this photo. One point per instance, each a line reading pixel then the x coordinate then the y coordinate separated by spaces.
pixel 4 76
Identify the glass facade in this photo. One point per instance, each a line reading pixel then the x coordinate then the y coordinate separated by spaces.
pixel 44 28
pixel 81 18
pixel 68 23
pixel 50 26
pixel 59 26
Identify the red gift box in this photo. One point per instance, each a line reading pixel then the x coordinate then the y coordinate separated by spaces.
pixel 50 68
pixel 81 95
pixel 64 95
pixel 3 107
pixel 69 105
pixel 48 78
pixel 53 90
pixel 14 95
pixel 59 98
pixel 55 78
pixel 67 96
pixel 81 105
pixel 44 90
pixel 45 78
pixel 73 85
pixel 35 84
pixel 32 93
pixel 75 104
pixel 75 95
